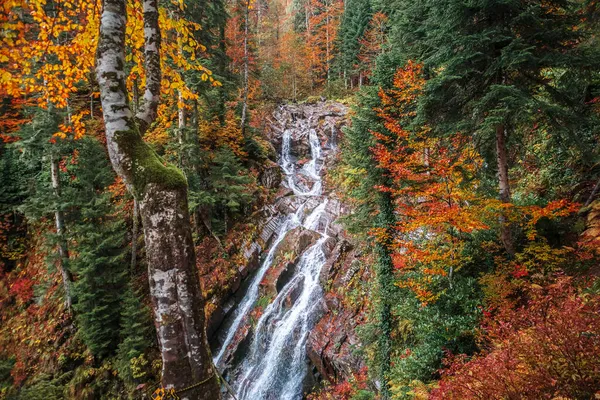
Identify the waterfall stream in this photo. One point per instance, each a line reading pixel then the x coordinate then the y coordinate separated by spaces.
pixel 275 364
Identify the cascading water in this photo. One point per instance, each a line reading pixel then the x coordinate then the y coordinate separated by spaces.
pixel 275 365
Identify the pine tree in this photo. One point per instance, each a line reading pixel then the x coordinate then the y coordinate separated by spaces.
pixel 224 191
pixel 100 255
pixel 494 66
pixel 363 177
pixel 136 334
pixel 43 151
pixel 354 22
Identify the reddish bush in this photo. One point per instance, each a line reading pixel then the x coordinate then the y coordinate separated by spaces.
pixel 547 349
pixel 343 390
pixel 22 289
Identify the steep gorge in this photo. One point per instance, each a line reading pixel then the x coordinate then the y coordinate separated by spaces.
pixel 282 335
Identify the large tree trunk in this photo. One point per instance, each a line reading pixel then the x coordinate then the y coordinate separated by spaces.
pixel 504 186
pixel 246 65
pixel 161 191
pixel 59 219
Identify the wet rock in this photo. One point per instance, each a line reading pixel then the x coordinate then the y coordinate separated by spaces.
pixel 331 343
pixel 294 292
pixel 271 176
pixel 332 266
pixel 218 315
pixel 286 257
pixel 300 147
pixel 329 246
pixel 251 254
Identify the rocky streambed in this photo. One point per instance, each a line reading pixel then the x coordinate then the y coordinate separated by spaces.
pixel 288 324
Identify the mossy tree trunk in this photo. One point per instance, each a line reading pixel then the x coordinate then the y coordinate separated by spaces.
pixel 161 192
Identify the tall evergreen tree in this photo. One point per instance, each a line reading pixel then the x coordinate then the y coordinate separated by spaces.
pixel 99 258
pixel 135 333
pixel 364 176
pixel 42 152
pixel 356 17
pixel 496 65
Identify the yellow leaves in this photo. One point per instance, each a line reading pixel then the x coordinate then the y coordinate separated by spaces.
pixel 33 36
pixel 5 77
pixel 60 135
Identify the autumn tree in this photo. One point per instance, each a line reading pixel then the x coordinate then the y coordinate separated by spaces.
pixel 372 44
pixel 321 31
pixel 433 184
pixel 491 66
pixel 161 191
pixel 45 54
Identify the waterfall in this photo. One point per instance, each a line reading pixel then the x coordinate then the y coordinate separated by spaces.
pixel 275 365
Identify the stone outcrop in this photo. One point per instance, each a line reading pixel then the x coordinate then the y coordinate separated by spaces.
pixel 270 177
pixel 286 257
pixel 332 342
pixel 326 118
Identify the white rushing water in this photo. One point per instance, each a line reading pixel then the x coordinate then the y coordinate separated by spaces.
pixel 275 365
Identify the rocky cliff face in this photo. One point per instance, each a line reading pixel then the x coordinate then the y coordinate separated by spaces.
pixel 302 220
pixel 332 342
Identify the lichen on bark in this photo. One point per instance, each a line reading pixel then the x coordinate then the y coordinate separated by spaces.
pixel 161 191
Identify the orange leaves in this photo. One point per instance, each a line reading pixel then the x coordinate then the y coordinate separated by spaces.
pixel 433 185
pixel 214 136
pixel 45 53
pixel 591 236
pixel 75 126
pixel 554 209
pixel 371 45
pixel 179 52
pixel 322 30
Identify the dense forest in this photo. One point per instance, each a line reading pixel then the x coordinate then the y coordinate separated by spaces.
pixel 299 199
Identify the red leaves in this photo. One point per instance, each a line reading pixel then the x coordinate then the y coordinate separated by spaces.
pixel 520 271
pixel 544 350
pixel 344 390
pixel 433 185
pixel 22 289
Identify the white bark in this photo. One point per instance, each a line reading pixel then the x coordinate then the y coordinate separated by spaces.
pixel 59 220
pixel 161 191
pixel 149 106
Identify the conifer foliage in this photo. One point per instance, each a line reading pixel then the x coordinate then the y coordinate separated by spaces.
pixel 133 154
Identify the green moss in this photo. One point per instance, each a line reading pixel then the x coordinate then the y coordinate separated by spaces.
pixel 148 167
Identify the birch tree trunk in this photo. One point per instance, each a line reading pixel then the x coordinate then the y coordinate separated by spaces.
pixel 161 192
pixel 59 219
pixel 246 65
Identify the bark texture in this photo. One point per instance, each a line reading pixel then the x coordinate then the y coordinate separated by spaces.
pixel 161 192
pixel 63 250
pixel 149 106
pixel 246 66
pixel 504 186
